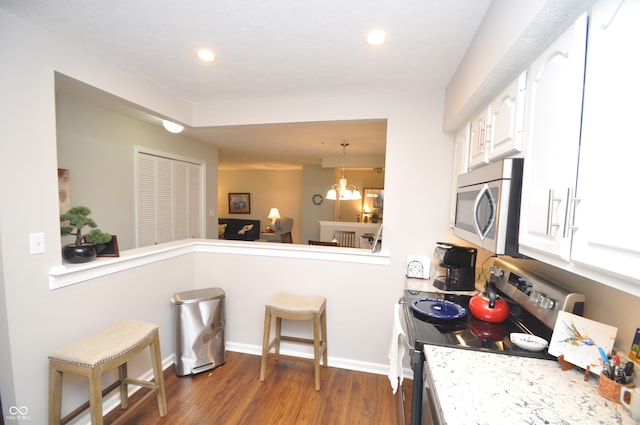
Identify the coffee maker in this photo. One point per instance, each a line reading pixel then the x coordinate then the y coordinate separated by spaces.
pixel 455 267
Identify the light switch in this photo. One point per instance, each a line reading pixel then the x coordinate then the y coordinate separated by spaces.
pixel 212 213
pixel 36 243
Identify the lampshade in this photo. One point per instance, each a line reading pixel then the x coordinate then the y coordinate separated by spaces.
pixel 274 214
pixel 342 190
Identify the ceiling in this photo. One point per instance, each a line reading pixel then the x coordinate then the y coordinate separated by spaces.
pixel 284 47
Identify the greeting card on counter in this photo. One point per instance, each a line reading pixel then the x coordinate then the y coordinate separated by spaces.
pixel 578 340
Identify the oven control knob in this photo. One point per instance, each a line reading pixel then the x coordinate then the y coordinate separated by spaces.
pixel 546 302
pixel 536 297
pixel 524 287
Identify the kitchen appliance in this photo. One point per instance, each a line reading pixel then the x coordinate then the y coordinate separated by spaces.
pixel 533 303
pixel 455 267
pixel 489 306
pixel 488 206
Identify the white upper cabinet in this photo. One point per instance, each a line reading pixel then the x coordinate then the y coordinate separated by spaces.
pixel 460 165
pixel 606 218
pixel 478 140
pixel 507 120
pixel 552 137
pixel 496 132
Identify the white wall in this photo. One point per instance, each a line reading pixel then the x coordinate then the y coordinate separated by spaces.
pixel 97 146
pixel 37 320
pixel 510 35
pixel 314 181
pixel 291 192
pixel 280 189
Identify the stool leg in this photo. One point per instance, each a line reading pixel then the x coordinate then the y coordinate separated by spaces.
pixel 265 343
pixel 323 318
pixel 278 334
pixel 124 393
pixel 95 396
pixel 156 361
pixel 55 396
pixel 316 350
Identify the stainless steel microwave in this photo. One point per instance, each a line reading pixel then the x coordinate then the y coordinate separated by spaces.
pixel 488 206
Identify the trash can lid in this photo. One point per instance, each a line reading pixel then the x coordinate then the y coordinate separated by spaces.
pixel 198 295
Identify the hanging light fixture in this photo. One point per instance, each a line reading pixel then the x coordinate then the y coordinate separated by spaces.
pixel 342 190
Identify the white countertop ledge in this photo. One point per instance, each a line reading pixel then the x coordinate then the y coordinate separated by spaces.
pixel 70 274
pixel 481 388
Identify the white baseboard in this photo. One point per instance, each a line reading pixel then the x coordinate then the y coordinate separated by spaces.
pixel 340 363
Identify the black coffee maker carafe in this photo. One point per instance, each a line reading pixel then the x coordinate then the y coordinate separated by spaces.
pixel 455 267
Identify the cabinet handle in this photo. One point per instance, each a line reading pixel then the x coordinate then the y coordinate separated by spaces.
pixel 568 215
pixel 550 205
pixel 615 13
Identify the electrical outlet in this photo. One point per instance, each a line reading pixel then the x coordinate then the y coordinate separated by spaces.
pixel 36 243
pixel 212 213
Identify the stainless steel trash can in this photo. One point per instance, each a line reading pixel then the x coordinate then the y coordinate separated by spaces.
pixel 200 319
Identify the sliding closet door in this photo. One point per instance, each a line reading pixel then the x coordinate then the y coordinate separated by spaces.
pixel 169 199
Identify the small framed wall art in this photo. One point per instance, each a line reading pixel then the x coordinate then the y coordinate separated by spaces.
pixel 239 203
pixel 109 249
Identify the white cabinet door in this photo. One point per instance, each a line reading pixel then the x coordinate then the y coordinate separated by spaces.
pixel 460 165
pixel 552 135
pixel 480 132
pixel 507 120
pixel 608 233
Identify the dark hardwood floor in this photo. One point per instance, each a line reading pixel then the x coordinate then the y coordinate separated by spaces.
pixel 232 394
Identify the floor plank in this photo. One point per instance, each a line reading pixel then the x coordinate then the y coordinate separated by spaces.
pixel 233 394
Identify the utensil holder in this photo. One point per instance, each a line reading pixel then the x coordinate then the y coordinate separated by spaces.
pixel 610 389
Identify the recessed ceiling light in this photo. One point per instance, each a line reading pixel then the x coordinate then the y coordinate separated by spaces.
pixel 376 37
pixel 206 55
pixel 172 127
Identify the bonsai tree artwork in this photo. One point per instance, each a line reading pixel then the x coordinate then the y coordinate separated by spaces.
pixel 77 218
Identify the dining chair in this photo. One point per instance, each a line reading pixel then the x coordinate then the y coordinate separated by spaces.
pixel 345 238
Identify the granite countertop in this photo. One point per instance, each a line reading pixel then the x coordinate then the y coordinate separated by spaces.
pixel 485 388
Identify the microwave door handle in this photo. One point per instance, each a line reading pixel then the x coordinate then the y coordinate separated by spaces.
pixel 476 205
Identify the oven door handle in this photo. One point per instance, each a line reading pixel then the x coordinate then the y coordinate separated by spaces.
pixel 476 207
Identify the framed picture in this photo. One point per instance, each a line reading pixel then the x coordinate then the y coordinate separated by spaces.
pixel 239 203
pixel 63 190
pixel 109 249
pixel 373 203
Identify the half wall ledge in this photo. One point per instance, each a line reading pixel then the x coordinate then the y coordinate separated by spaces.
pixel 71 274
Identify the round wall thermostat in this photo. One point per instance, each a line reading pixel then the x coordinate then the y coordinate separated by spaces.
pixel 317 199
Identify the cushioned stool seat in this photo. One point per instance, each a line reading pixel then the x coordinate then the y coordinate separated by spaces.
pixel 91 357
pixel 295 307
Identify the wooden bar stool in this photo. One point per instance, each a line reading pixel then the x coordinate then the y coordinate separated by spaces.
pixel 295 307
pixel 91 357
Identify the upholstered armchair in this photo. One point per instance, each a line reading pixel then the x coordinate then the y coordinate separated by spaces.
pixel 281 231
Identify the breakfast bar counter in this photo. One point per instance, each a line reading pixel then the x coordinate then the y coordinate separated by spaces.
pixel 486 388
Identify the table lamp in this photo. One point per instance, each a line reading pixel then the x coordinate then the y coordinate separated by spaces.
pixel 274 214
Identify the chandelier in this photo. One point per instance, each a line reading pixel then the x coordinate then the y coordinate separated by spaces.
pixel 342 190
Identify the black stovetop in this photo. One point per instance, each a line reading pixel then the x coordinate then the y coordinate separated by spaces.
pixel 472 333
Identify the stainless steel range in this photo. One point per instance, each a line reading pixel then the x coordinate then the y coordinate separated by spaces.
pixel 533 308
